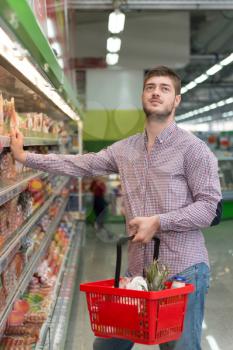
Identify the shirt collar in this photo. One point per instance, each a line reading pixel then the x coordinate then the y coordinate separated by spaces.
pixel 164 135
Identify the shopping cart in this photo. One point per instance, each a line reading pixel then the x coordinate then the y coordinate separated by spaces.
pixel 140 316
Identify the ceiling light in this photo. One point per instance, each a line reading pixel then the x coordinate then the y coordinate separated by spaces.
pixel 227 60
pixel 227 114
pixel 191 85
pixel 214 69
pixel 220 103
pixel 229 100
pixel 113 44
pixel 201 78
pixel 183 90
pixel 112 58
pixel 204 109
pixel 116 22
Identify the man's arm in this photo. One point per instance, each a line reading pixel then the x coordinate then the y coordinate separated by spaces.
pixel 203 181
pixel 91 164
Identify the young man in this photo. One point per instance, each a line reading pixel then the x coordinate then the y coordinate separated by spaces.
pixel 171 190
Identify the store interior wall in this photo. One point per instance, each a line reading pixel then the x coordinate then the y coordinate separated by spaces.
pixel 113 106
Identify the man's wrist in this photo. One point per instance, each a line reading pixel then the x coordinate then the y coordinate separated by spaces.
pixel 156 223
pixel 22 157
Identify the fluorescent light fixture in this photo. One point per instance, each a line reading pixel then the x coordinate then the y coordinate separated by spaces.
pixel 229 100
pixel 227 114
pixel 113 44
pixel 57 47
pixel 221 103
pixel 201 78
pixel 213 105
pixel 213 70
pixel 51 29
pixel 112 58
pixel 204 109
pixel 227 60
pixel 183 90
pixel 28 70
pixel 191 85
pixel 116 22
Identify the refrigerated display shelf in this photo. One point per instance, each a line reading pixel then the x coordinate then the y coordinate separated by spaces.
pixel 46 327
pixel 56 327
pixel 30 141
pixel 23 231
pixel 11 188
pixel 75 150
pixel 33 264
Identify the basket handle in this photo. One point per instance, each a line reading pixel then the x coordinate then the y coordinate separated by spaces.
pixel 123 240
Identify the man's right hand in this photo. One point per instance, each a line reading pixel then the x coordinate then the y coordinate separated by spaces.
pixel 16 144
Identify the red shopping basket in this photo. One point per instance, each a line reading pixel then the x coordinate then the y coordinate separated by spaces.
pixel 140 316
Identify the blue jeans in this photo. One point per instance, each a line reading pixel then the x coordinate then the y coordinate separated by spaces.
pixel 198 275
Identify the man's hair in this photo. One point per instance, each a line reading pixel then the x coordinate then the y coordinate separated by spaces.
pixel 163 71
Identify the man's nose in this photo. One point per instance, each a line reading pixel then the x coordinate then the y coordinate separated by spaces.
pixel 155 91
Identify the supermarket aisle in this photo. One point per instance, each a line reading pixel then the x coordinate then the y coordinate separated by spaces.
pixel 98 262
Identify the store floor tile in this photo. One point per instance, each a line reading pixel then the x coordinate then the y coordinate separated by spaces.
pixel 97 261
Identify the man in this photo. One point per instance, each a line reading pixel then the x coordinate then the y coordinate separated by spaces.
pixel 171 189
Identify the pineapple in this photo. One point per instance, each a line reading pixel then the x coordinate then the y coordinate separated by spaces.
pixel 156 275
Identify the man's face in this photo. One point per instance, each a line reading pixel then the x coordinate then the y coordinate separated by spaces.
pixel 159 99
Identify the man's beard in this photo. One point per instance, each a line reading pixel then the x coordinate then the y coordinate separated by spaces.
pixel 160 116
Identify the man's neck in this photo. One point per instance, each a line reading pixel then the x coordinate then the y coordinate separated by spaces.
pixel 154 129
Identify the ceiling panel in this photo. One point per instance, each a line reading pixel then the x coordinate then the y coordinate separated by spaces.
pixel 152 4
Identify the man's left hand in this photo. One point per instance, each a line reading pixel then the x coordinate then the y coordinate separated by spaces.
pixel 144 228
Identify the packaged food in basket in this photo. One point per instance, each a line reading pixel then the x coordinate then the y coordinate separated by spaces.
pixel 135 283
pixel 155 277
pixel 178 282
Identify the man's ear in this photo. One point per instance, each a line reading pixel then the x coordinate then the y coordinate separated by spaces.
pixel 177 100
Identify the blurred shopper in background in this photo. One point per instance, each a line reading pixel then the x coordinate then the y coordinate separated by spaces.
pixel 171 190
pixel 98 188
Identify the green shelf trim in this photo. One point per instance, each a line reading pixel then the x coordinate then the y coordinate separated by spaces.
pixel 19 17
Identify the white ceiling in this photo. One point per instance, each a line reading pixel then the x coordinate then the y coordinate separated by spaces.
pixel 188 41
pixel 147 40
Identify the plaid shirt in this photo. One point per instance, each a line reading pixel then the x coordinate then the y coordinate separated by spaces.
pixel 178 181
